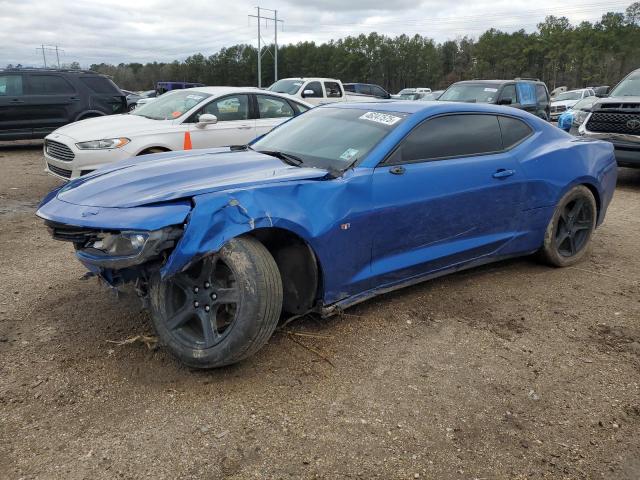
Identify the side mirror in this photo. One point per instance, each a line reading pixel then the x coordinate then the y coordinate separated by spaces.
pixel 206 119
pixel 308 93
pixel 505 101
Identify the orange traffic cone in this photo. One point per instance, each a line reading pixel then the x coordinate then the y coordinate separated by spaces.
pixel 187 141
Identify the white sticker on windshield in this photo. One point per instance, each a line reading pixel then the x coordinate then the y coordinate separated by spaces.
pixel 348 154
pixel 490 89
pixel 195 97
pixel 383 118
pixel 297 84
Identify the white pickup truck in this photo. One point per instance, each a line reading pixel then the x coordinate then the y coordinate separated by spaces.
pixel 317 91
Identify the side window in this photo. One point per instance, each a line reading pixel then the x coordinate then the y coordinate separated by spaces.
pixel 49 85
pixel 10 85
pixel 541 95
pixel 526 93
pixel 273 107
pixel 99 84
pixel 349 88
pixel 451 136
pixel 378 92
pixel 332 89
pixel 366 89
pixel 227 109
pixel 317 90
pixel 509 92
pixel 514 131
pixel 298 106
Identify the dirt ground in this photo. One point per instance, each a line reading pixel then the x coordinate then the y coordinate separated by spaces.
pixel 510 371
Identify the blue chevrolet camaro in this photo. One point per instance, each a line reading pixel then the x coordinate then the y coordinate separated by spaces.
pixel 330 209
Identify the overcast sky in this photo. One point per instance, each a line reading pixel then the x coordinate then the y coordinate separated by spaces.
pixel 115 31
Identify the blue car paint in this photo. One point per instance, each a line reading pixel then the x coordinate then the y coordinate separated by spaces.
pixel 370 231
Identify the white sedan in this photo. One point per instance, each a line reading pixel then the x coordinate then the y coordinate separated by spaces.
pixel 202 117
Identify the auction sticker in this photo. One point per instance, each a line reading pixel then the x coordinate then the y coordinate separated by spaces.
pixel 348 154
pixel 490 89
pixel 383 118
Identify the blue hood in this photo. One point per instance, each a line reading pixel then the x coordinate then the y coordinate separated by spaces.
pixel 170 176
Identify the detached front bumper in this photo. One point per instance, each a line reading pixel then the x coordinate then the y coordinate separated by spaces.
pixel 63 159
pixel 160 224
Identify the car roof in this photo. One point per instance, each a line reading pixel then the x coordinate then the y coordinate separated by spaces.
pixel 436 107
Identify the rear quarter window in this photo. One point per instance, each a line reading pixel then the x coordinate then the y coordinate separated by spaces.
pixel 100 85
pixel 514 131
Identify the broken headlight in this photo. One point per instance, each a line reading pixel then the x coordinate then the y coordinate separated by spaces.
pixel 128 248
pixel 579 117
pixel 120 244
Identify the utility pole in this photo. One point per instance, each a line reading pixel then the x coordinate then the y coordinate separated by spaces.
pixel 275 21
pixel 51 48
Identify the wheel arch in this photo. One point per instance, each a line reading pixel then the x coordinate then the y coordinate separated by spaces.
pixel 299 266
pixel 89 114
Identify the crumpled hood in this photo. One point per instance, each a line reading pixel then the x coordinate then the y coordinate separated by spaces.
pixel 111 126
pixel 566 103
pixel 169 176
pixel 632 102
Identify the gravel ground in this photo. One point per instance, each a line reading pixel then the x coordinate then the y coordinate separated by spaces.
pixel 512 371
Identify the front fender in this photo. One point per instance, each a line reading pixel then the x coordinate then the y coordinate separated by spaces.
pixel 218 217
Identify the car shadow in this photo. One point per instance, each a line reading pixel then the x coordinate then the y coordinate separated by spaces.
pixel 20 145
pixel 629 178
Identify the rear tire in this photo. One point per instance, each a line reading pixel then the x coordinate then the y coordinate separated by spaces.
pixel 221 310
pixel 568 235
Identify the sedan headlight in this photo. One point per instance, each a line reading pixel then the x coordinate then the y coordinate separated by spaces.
pixel 579 116
pixel 105 143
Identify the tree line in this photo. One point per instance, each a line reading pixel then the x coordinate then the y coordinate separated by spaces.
pixel 558 53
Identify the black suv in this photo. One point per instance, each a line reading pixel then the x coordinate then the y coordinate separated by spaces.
pixel 526 94
pixel 34 102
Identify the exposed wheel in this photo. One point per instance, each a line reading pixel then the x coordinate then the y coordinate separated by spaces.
pixel 569 232
pixel 222 309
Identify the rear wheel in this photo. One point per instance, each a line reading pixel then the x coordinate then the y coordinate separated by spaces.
pixel 222 309
pixel 569 232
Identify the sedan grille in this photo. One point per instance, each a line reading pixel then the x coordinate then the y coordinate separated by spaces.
pixel 59 151
pixel 615 122
pixel 559 108
pixel 59 171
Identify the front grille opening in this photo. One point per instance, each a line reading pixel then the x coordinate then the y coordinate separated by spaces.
pixel 58 151
pixel 59 171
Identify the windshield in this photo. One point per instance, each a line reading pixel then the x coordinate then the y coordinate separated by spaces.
pixel 171 105
pixel 474 93
pixel 290 87
pixel 568 96
pixel 585 103
pixel 406 91
pixel 328 137
pixel 629 87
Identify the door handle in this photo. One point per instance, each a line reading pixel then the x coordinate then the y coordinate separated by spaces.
pixel 75 99
pixel 503 173
pixel 397 170
pixel 16 100
pixel 244 127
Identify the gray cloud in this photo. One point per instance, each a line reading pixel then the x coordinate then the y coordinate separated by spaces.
pixel 117 31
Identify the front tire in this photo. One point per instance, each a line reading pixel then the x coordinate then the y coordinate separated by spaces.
pixel 221 310
pixel 568 235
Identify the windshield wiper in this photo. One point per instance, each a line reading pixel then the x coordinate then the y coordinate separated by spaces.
pixel 240 148
pixel 285 157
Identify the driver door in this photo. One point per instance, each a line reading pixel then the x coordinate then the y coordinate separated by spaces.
pixel 236 123
pixel 447 195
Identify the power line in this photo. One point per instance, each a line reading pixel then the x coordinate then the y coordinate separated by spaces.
pixel 275 21
pixel 50 48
